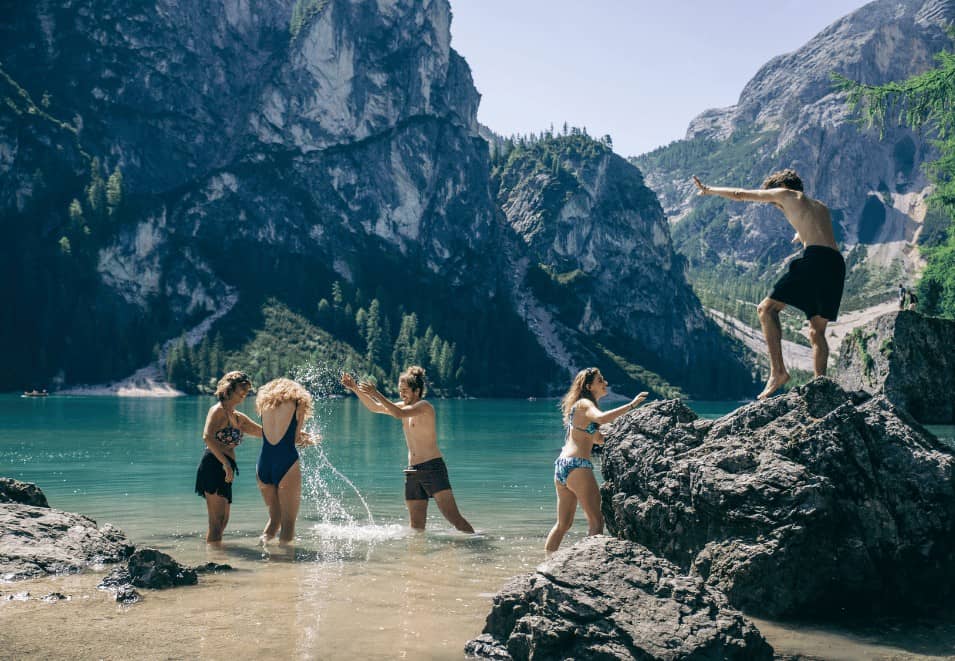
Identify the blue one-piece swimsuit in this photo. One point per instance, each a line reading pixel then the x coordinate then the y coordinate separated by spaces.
pixel 276 460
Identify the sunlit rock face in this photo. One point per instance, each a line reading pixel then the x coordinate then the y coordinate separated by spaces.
pixel 334 132
pixel 791 115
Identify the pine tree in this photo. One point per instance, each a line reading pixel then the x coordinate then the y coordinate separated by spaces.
pixel 927 99
pixel 96 191
pixel 374 336
pixel 114 191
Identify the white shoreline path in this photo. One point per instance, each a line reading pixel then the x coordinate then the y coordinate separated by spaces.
pixel 149 381
pixel 797 355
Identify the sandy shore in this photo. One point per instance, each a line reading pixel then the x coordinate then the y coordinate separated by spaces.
pixel 413 605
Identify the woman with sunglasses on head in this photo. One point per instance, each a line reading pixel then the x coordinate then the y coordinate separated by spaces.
pixel 222 434
pixel 573 470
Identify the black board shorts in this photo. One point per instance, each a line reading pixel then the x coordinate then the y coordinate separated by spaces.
pixel 210 476
pixel 424 480
pixel 813 283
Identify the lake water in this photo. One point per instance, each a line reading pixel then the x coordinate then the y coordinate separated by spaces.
pixel 358 582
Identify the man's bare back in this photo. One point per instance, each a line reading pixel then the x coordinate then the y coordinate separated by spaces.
pixel 810 218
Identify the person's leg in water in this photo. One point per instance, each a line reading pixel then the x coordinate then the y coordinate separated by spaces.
pixel 449 508
pixel 417 513
pixel 270 494
pixel 584 485
pixel 218 509
pixel 289 493
pixel 566 508
pixel 820 347
pixel 768 311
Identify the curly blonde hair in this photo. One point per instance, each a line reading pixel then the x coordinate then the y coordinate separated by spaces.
pixel 278 391
pixel 229 382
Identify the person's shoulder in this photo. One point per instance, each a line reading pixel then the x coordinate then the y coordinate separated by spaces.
pixel 424 405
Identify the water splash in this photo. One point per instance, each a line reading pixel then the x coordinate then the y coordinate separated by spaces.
pixel 322 383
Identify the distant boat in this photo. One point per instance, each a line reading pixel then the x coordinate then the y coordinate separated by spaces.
pixel 532 399
pixel 35 393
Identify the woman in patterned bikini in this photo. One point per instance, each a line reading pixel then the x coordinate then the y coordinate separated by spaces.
pixel 573 470
pixel 222 433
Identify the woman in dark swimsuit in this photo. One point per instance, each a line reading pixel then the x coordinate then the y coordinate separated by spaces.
pixel 284 407
pixel 222 433
pixel 573 471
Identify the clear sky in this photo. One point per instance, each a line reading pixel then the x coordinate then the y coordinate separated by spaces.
pixel 639 70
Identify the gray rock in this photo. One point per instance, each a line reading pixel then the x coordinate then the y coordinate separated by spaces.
pixel 211 568
pixel 128 595
pixel 607 598
pixel 154 569
pixel 808 502
pixel 39 540
pixel 23 493
pixel 908 357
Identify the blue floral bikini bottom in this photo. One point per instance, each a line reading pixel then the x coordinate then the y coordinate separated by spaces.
pixel 563 466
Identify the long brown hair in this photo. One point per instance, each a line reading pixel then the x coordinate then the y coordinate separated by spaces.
pixel 414 378
pixel 579 389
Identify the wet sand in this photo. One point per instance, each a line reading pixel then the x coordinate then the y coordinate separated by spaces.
pixel 410 598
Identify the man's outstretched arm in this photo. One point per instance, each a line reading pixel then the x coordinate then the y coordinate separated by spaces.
pixel 780 196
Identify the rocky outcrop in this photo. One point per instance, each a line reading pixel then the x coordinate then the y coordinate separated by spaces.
pixel 791 115
pixel 909 358
pixel 606 598
pixel 23 493
pixel 149 568
pixel 809 502
pixel 38 540
pixel 590 234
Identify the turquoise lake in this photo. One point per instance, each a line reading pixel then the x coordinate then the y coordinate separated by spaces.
pixel 358 584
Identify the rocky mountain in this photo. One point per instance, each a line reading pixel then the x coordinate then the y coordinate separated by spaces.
pixel 596 271
pixel 172 161
pixel 790 115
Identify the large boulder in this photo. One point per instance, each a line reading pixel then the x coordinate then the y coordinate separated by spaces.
pixel 811 501
pixel 607 598
pixel 24 493
pixel 38 540
pixel 908 357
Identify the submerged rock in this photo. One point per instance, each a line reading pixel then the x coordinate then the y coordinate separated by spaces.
pixel 908 357
pixel 23 493
pixel 149 568
pixel 39 540
pixel 815 500
pixel 607 598
pixel 211 568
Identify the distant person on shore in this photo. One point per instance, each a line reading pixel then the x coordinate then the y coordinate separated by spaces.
pixel 573 471
pixel 222 433
pixel 284 407
pixel 913 301
pixel 814 281
pixel 902 293
pixel 426 475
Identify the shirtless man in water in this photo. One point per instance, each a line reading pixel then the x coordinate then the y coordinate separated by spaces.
pixel 426 475
pixel 814 281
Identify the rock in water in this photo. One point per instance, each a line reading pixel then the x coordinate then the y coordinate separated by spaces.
pixel 908 357
pixel 39 540
pixel 607 598
pixel 149 568
pixel 23 493
pixel 811 501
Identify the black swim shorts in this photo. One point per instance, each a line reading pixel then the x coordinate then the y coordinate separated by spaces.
pixel 210 476
pixel 813 283
pixel 424 480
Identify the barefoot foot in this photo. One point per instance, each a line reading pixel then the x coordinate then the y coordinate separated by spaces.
pixel 776 381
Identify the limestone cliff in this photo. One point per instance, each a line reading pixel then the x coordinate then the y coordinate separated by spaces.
pixel 789 115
